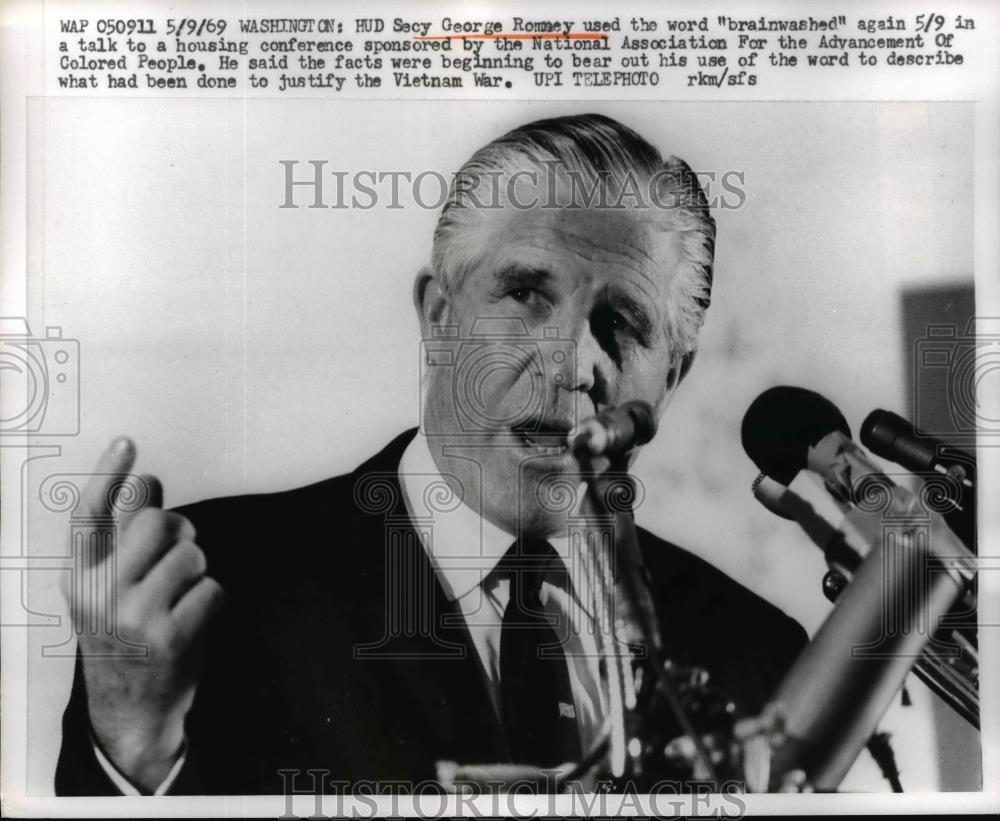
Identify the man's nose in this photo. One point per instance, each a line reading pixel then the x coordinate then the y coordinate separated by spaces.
pixel 580 369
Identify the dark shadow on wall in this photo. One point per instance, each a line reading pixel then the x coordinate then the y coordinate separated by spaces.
pixel 936 331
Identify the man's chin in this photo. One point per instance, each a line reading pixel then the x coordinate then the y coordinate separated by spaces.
pixel 533 502
pixel 549 495
pixel 530 481
pixel 536 523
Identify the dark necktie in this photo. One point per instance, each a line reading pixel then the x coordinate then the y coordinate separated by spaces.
pixel 537 702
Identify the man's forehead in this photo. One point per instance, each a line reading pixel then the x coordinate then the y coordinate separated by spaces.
pixel 615 242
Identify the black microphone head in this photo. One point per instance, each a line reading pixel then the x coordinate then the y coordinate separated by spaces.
pixel 881 428
pixel 643 419
pixel 890 436
pixel 780 426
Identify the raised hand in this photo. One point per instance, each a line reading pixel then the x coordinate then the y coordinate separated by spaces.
pixel 141 674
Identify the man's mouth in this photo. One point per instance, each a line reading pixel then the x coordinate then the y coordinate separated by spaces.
pixel 545 437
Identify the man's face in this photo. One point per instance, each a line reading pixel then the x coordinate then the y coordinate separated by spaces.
pixel 589 288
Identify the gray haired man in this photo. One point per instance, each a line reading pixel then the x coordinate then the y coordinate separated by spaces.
pixel 371 626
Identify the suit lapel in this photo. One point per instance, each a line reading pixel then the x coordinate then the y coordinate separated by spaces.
pixel 413 638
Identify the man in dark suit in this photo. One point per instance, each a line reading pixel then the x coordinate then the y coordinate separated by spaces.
pixel 379 622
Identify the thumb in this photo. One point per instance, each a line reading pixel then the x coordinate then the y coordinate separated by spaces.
pixel 99 493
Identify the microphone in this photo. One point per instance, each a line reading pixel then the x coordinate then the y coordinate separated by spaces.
pixel 614 431
pixel 782 423
pixel 892 437
pixel 847 505
pixel 787 429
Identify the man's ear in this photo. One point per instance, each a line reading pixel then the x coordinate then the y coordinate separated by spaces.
pixel 430 299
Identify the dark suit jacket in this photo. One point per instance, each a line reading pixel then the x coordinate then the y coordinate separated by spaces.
pixel 338 650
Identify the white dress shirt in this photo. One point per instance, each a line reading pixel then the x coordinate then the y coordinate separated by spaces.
pixel 123 784
pixel 464 549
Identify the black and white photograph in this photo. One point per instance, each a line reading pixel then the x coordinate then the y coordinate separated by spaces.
pixel 539 429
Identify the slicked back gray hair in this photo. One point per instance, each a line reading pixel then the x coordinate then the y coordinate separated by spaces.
pixel 589 148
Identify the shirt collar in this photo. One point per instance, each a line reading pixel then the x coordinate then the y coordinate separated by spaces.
pixel 463 546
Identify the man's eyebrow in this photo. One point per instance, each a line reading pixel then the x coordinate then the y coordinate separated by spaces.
pixel 519 276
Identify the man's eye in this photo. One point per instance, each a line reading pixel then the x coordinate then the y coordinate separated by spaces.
pixel 532 300
pixel 613 331
pixel 610 320
pixel 617 322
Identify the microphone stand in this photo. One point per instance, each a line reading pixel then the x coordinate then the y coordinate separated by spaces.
pixel 627 628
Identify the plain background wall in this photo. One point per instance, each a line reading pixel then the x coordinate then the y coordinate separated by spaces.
pixel 250 348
